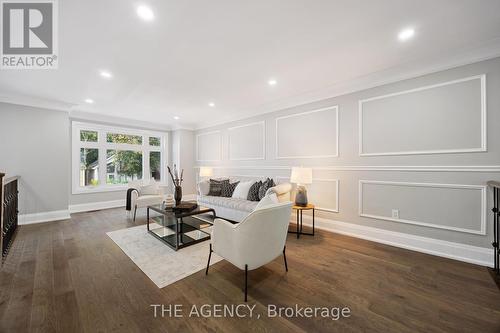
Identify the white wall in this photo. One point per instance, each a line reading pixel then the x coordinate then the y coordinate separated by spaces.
pixel 183 156
pixel 34 144
pixel 439 131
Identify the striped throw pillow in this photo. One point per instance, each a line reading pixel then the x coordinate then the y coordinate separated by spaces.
pixel 216 187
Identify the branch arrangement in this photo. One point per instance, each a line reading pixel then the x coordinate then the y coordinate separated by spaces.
pixel 175 175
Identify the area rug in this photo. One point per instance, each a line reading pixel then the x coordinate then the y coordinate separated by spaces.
pixel 159 262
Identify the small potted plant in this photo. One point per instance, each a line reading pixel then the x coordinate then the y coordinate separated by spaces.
pixel 177 181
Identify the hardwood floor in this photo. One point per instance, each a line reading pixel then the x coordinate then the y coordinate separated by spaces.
pixel 69 276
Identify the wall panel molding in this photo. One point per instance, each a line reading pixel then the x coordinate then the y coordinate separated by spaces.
pixel 482 188
pixel 263 156
pixel 198 136
pixel 278 119
pixel 483 121
pixel 399 168
pixel 335 209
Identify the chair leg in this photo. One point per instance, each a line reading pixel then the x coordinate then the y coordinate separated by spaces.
pixel 284 257
pixel 135 212
pixel 246 282
pixel 209 256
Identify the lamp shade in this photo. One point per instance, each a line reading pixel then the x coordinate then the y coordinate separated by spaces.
pixel 301 175
pixel 206 172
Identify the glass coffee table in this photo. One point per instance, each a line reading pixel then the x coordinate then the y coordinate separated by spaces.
pixel 180 229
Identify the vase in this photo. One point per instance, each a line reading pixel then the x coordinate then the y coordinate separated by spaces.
pixel 178 195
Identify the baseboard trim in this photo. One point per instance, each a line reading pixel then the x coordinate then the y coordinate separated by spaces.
pixel 457 251
pixel 43 217
pixel 88 207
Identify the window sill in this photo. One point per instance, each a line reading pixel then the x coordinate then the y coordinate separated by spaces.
pixel 99 189
pixel 103 189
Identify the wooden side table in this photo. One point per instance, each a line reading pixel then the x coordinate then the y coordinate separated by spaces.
pixel 299 210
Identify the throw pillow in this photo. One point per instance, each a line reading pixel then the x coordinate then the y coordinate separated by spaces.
pixel 241 190
pixel 228 189
pixel 216 187
pixel 264 187
pixel 253 192
pixel 266 201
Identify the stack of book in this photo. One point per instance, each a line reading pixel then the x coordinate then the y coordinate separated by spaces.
pixel 169 201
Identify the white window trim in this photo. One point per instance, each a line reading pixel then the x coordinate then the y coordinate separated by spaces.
pixel 103 146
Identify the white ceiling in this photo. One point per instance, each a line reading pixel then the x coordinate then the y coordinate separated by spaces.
pixel 198 51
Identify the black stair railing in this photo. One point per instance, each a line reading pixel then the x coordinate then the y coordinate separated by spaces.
pixel 496 220
pixel 9 216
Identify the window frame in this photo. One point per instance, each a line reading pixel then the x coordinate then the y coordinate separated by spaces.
pixel 102 145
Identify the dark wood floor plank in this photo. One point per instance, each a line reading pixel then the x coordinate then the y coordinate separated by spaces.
pixel 7 274
pixel 69 276
pixel 43 308
pixel 16 317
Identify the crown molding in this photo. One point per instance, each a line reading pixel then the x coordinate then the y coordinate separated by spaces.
pixel 77 115
pixel 36 102
pixel 399 168
pixel 182 128
pixel 412 69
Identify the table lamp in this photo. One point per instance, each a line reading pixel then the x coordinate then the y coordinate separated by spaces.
pixel 301 177
pixel 206 172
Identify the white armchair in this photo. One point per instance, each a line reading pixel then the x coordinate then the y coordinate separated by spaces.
pixel 145 195
pixel 255 241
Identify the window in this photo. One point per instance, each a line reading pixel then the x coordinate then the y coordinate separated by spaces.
pixel 89 166
pixel 107 158
pixel 90 136
pixel 154 164
pixel 124 138
pixel 123 166
pixel 154 141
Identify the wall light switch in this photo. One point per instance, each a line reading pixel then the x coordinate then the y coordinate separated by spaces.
pixel 395 213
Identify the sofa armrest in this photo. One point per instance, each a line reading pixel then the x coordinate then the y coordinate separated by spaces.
pixel 133 198
pixel 282 191
pixel 282 188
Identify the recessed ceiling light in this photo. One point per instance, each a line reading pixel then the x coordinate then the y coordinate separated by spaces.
pixel 89 101
pixel 176 118
pixel 211 104
pixel 406 34
pixel 145 13
pixel 106 74
pixel 272 82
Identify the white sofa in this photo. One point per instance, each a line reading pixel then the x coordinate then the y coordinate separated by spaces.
pixel 237 209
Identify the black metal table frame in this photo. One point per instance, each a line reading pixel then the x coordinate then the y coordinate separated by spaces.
pixel 177 224
pixel 299 224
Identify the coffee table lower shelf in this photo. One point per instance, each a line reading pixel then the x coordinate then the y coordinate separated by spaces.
pixel 181 231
